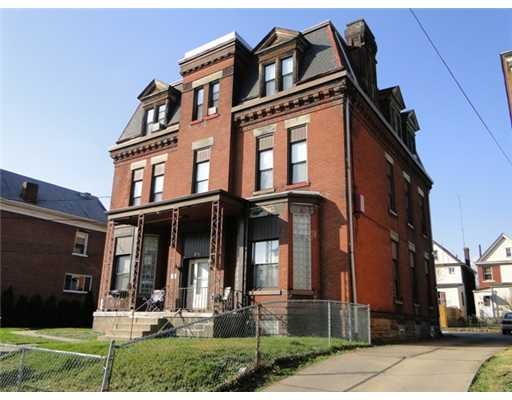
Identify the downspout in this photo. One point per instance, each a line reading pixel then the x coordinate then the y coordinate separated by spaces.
pixel 348 149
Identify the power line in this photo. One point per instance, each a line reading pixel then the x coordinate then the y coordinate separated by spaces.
pixel 491 134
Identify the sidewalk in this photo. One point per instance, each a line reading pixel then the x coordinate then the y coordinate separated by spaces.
pixel 446 365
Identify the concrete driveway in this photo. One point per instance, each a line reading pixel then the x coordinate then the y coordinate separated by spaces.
pixel 447 365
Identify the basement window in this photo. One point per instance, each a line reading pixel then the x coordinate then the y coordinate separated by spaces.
pixel 77 283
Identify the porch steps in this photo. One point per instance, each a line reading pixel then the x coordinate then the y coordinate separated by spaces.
pixel 124 328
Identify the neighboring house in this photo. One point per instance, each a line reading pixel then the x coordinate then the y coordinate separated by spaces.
pixel 52 242
pixel 272 173
pixel 455 283
pixel 494 295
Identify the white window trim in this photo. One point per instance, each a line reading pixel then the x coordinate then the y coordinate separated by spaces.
pixel 138 164
pixel 64 290
pixel 406 176
pixel 86 244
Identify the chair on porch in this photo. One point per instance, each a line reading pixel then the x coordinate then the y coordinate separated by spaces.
pixel 155 302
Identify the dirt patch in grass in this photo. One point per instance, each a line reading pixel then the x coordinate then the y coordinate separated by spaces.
pixel 495 375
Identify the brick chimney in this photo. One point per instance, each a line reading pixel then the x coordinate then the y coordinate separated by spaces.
pixel 29 192
pixel 362 54
pixel 466 256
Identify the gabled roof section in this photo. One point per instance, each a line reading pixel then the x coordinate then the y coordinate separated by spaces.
pixel 276 37
pixel 449 256
pixel 493 247
pixel 153 87
pixel 52 197
pixel 396 93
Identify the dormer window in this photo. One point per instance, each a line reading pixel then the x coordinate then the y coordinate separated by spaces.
pixel 161 114
pixel 155 118
pixel 270 79
pixel 150 116
pixel 286 73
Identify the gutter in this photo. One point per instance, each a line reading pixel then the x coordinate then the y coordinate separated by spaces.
pixel 348 160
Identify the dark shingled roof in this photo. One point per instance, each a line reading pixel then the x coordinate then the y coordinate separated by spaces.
pixel 53 197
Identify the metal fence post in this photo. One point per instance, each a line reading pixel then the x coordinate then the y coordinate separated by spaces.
pixel 258 316
pixel 329 326
pixel 105 383
pixel 369 322
pixel 350 322
pixel 20 370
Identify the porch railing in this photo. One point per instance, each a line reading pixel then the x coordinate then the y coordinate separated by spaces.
pixel 193 298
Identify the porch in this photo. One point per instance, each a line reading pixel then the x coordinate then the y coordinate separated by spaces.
pixel 173 256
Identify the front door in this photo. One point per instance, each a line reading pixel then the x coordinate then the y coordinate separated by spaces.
pixel 197 291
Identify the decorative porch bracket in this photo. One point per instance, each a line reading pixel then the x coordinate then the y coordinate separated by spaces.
pixel 172 282
pixel 108 259
pixel 139 241
pixel 216 244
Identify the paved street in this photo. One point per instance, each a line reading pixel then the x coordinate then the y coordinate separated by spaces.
pixel 448 364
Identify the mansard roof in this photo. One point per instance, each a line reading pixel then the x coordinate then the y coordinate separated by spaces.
pixel 276 37
pixel 133 128
pixel 410 117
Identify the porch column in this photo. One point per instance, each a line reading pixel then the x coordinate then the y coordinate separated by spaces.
pixel 216 286
pixel 106 270
pixel 172 281
pixel 139 241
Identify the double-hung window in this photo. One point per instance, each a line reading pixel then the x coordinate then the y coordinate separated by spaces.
pixel 414 278
pixel 298 155
pixel 80 245
pixel 122 263
pixel 265 260
pixel 213 97
pixel 157 182
pixel 150 119
pixel 201 170
pixel 286 73
pixel 265 156
pixel 391 186
pixel 508 251
pixel 162 114
pixel 197 113
pixel 136 189
pixel 408 202
pixel 487 273
pixel 423 214
pixel 397 294
pixel 77 283
pixel 269 72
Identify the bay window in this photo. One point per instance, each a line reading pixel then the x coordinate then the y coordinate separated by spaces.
pixel 265 261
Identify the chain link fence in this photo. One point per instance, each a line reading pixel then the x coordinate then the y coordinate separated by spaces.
pixel 32 369
pixel 201 354
pixel 214 353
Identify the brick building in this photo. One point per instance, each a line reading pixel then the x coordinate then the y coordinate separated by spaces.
pixel 271 173
pixel 52 241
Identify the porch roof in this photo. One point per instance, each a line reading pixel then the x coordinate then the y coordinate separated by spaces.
pixel 178 202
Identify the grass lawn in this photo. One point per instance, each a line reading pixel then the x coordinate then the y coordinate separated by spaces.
pixel 166 364
pixel 495 375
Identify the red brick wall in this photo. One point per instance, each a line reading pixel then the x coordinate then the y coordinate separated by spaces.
pixel 37 253
pixel 373 242
pixel 496 276
pixel 326 174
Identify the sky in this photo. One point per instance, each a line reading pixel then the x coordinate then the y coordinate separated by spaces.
pixel 69 82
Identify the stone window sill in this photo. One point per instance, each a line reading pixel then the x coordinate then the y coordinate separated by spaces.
pixel 79 255
pixel 211 116
pixel 264 191
pixel 393 213
pixel 298 185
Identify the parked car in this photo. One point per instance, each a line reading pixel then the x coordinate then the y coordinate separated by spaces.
pixel 506 323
